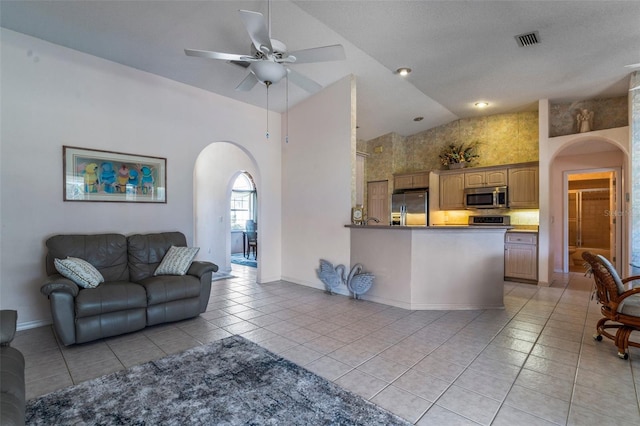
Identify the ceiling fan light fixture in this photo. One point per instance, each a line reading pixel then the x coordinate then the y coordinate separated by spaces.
pixel 403 72
pixel 267 71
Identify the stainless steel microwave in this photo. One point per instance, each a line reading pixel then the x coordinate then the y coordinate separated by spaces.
pixel 494 197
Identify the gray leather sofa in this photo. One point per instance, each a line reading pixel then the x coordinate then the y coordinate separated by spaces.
pixel 12 386
pixel 131 297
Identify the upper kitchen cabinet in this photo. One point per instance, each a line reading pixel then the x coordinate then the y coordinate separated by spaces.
pixel 523 187
pixel 452 191
pixel 411 181
pixel 479 179
pixel 521 180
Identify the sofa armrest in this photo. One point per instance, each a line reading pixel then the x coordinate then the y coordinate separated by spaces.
pixel 59 283
pixel 199 268
pixel 8 319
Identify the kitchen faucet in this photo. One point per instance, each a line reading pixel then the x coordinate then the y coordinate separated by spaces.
pixel 375 219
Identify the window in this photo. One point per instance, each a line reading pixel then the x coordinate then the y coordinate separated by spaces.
pixel 243 202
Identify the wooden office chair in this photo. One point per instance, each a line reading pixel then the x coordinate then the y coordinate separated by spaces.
pixel 620 303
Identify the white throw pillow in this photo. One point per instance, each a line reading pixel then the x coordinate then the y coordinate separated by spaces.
pixel 177 261
pixel 79 271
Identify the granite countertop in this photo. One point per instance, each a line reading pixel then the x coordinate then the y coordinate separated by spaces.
pixel 525 229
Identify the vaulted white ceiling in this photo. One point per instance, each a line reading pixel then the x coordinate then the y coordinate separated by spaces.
pixel 460 51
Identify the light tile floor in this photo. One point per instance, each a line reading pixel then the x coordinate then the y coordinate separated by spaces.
pixel 533 363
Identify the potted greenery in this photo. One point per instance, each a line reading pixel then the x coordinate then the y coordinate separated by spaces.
pixel 458 156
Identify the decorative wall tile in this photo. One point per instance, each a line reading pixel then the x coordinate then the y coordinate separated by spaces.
pixel 502 139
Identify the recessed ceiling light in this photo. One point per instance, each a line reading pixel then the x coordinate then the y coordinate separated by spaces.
pixel 418 119
pixel 481 104
pixel 403 71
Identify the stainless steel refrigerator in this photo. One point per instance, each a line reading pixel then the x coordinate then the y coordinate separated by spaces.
pixel 410 208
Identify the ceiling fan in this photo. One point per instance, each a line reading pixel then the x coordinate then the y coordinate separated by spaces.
pixel 268 57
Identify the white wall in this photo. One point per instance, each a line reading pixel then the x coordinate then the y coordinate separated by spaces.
pixel 316 183
pixel 53 96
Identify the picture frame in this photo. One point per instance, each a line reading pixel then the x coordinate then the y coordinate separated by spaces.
pixel 97 175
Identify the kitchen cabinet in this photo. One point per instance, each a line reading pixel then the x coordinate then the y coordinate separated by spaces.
pixel 452 191
pixel 521 180
pixel 411 181
pixel 479 179
pixel 521 256
pixel 523 188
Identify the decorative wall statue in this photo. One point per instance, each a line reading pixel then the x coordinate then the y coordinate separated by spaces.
pixel 585 120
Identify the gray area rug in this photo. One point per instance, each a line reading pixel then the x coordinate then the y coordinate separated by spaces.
pixel 228 382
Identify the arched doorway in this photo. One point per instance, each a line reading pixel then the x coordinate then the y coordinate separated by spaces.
pixel 215 172
pixel 587 183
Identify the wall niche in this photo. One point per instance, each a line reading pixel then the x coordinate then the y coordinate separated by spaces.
pixel 607 114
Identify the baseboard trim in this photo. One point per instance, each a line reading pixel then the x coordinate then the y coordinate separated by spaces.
pixel 31 324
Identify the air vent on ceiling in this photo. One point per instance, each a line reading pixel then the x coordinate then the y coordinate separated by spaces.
pixel 528 39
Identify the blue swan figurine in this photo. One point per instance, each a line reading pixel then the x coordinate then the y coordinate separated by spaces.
pixel 359 282
pixel 331 276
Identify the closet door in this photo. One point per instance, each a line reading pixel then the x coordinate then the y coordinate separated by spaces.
pixel 378 202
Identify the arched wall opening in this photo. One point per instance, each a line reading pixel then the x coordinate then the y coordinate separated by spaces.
pixel 215 171
pixel 586 153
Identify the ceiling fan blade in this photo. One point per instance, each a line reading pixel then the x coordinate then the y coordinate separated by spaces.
pixel 218 55
pixel 248 83
pixel 334 52
pixel 303 82
pixel 255 24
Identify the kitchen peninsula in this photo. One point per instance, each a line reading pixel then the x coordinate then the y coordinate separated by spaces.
pixel 436 267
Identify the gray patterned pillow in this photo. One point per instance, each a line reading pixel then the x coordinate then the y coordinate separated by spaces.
pixel 177 261
pixel 79 271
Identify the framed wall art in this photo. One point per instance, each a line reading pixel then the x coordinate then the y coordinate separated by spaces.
pixel 95 175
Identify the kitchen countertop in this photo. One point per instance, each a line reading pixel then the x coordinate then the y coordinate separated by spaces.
pixel 430 228
pixel 523 230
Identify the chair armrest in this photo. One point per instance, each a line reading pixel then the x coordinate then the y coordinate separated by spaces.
pixel 59 283
pixel 8 319
pixel 199 268
pixel 630 280
pixel 622 296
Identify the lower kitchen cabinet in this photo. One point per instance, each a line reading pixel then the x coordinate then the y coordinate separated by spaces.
pixel 521 256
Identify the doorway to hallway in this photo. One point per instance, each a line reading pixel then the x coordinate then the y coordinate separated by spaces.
pixel 591 222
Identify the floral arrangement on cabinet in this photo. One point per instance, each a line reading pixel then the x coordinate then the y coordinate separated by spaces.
pixel 458 156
